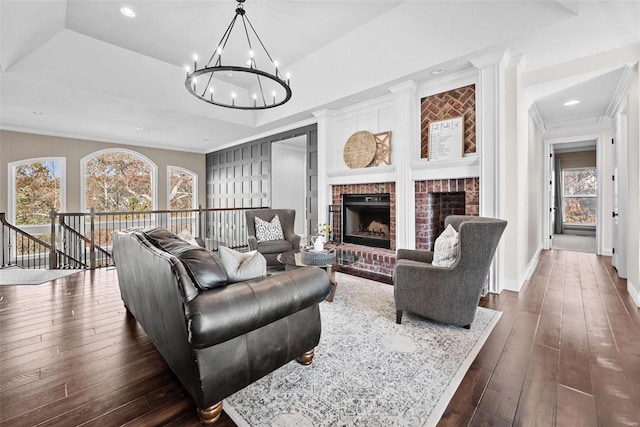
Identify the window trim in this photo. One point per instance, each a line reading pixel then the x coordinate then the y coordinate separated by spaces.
pixel 83 174
pixel 11 182
pixel 194 175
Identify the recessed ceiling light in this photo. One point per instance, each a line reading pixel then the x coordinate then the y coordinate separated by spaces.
pixel 571 102
pixel 127 11
pixel 37 113
pixel 355 99
pixel 206 139
pixel 437 71
pixel 138 129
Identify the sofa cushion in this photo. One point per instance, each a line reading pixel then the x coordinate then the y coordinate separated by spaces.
pixel 275 247
pixel 267 231
pixel 204 267
pixel 225 313
pixel 242 265
pixel 447 248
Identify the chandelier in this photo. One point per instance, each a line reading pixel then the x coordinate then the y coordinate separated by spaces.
pixel 266 87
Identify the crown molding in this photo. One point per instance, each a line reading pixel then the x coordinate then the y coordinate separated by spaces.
pixel 409 86
pixel 597 124
pixel 537 119
pixel 69 135
pixel 626 79
pixel 501 59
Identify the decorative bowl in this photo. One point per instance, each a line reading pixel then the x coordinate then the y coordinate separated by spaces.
pixel 322 258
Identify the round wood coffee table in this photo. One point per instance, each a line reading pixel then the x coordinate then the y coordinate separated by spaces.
pixel 291 260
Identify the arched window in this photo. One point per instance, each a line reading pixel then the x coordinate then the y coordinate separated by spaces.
pixel 182 188
pixel 117 180
pixel 36 186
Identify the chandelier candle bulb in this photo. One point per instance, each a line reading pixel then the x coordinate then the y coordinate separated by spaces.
pixel 195 62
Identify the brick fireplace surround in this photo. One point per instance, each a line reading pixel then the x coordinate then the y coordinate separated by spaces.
pixel 377 262
pixel 425 230
pixel 374 262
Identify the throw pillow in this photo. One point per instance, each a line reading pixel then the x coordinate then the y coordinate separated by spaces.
pixel 447 248
pixel 267 231
pixel 187 237
pixel 242 266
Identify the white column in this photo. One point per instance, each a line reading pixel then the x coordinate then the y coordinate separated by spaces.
pixel 326 119
pixel 490 135
pixel 405 144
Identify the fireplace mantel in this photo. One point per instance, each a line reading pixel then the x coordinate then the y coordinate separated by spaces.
pixel 372 175
pixel 466 167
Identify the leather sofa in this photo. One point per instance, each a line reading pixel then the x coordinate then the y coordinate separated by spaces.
pixel 217 337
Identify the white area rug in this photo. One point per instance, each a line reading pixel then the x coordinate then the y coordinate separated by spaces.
pixel 367 370
pixel 18 276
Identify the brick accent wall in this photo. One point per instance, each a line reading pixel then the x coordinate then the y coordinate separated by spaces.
pixel 446 105
pixel 426 220
pixel 378 188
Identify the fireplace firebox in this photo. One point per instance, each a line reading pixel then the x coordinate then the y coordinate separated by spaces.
pixel 366 219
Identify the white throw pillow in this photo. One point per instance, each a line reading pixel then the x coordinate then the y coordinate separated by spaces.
pixel 447 248
pixel 242 265
pixel 187 237
pixel 267 231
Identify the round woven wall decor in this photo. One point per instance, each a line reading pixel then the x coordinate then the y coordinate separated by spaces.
pixel 360 149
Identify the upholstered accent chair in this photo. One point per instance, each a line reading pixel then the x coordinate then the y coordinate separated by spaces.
pixel 448 294
pixel 272 248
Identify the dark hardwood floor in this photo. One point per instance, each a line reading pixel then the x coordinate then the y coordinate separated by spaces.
pixel 565 352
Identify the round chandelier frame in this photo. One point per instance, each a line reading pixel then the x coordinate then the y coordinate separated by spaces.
pixel 261 101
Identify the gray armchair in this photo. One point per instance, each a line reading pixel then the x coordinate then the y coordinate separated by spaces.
pixel 448 294
pixel 273 248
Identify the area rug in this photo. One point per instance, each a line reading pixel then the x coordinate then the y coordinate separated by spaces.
pixel 18 276
pixel 569 242
pixel 367 370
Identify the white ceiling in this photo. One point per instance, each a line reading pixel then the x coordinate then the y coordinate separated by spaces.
pixel 96 74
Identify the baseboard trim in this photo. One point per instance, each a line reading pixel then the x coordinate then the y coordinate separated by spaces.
pixel 607 252
pixel 635 295
pixel 516 286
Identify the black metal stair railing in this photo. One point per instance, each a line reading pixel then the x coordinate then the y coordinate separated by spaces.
pixel 21 249
pixel 83 240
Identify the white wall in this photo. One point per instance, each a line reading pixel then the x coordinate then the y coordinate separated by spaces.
pixel 633 241
pixel 288 176
pixel 535 190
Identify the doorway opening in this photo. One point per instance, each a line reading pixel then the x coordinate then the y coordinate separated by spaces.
pixel 575 195
pixel 288 178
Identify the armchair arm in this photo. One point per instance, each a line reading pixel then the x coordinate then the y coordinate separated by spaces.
pixel 295 241
pixel 415 255
pixel 253 243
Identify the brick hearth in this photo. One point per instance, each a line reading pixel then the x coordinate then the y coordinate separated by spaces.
pixel 376 263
